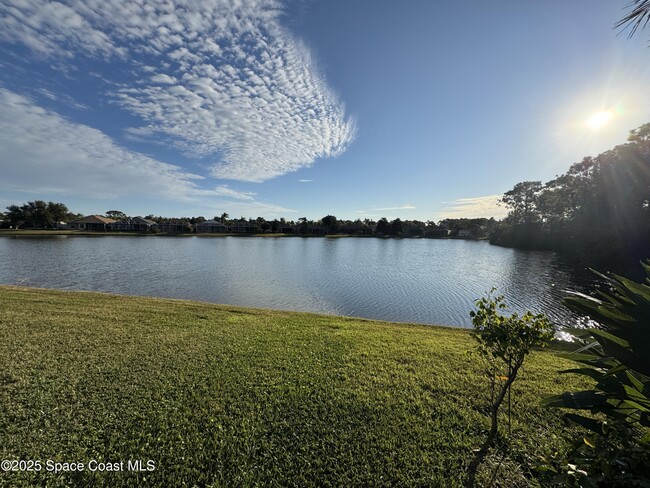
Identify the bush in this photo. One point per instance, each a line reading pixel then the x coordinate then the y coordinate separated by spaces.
pixel 616 449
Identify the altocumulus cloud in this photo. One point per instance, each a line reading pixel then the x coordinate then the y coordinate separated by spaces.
pixel 220 80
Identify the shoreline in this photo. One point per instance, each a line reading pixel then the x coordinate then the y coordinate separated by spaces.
pixel 73 233
pixel 225 306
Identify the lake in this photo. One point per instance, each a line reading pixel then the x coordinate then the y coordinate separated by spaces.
pixel 405 280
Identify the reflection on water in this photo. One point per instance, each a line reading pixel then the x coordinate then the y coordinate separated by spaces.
pixel 406 280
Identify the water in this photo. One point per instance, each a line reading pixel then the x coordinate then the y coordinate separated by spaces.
pixel 406 280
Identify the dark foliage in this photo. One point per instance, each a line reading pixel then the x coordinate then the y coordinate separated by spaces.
pixel 597 213
pixel 615 450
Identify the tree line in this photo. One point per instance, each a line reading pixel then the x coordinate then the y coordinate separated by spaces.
pixel 37 214
pixel 47 215
pixel 598 212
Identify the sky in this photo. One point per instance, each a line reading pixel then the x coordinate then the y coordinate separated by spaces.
pixel 414 109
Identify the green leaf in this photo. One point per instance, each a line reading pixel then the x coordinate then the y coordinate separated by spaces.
pixel 638 397
pixel 635 382
pixel 586 422
pixel 580 357
pixel 639 289
pixel 610 337
pixel 614 314
pixel 580 400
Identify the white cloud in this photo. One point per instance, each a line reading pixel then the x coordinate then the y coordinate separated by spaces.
pixel 51 28
pixel 230 85
pixel 256 208
pixel 305 181
pixel 229 192
pixel 403 207
pixel 477 207
pixel 163 79
pixel 61 98
pixel 43 152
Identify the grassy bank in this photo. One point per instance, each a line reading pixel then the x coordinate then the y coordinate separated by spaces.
pixel 227 396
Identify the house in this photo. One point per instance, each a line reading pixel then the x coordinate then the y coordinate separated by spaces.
pixel 244 226
pixel 210 226
pixel 91 222
pixel 175 227
pixel 134 224
pixel 464 233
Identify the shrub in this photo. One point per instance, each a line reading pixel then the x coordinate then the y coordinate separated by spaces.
pixel 616 450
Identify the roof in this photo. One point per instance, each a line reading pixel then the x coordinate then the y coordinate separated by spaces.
pixel 211 222
pixel 142 220
pixel 93 219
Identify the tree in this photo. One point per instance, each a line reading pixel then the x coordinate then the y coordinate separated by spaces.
pixel 396 227
pixel 37 214
pixel 503 343
pixel 638 17
pixel 116 215
pixel 304 225
pixel 224 218
pixel 330 223
pixel 383 227
pixel 523 201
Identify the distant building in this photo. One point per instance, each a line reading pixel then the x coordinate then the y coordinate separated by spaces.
pixel 464 233
pixel 175 227
pixel 243 226
pixel 91 222
pixel 287 229
pixel 134 224
pixel 210 226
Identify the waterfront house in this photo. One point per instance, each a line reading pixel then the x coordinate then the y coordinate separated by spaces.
pixel 211 226
pixel 244 226
pixel 134 224
pixel 175 227
pixel 465 233
pixel 91 222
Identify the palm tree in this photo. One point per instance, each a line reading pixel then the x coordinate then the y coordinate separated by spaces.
pixel 224 217
pixel 638 17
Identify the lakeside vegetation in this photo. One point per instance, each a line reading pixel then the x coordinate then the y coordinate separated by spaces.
pixel 597 213
pixel 229 396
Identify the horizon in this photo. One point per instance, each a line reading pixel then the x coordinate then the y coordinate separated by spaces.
pixel 297 108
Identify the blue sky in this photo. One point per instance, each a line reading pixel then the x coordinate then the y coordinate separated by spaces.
pixel 361 109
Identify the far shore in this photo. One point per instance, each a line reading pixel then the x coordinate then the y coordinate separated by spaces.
pixel 81 233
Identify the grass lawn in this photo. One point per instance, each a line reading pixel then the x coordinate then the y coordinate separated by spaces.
pixel 227 396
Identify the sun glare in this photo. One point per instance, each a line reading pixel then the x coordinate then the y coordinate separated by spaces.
pixel 600 119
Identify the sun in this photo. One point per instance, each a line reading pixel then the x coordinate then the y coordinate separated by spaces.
pixel 600 119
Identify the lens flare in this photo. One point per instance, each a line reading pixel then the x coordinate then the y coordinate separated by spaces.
pixel 600 119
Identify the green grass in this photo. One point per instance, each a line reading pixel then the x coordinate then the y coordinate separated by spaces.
pixel 227 396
